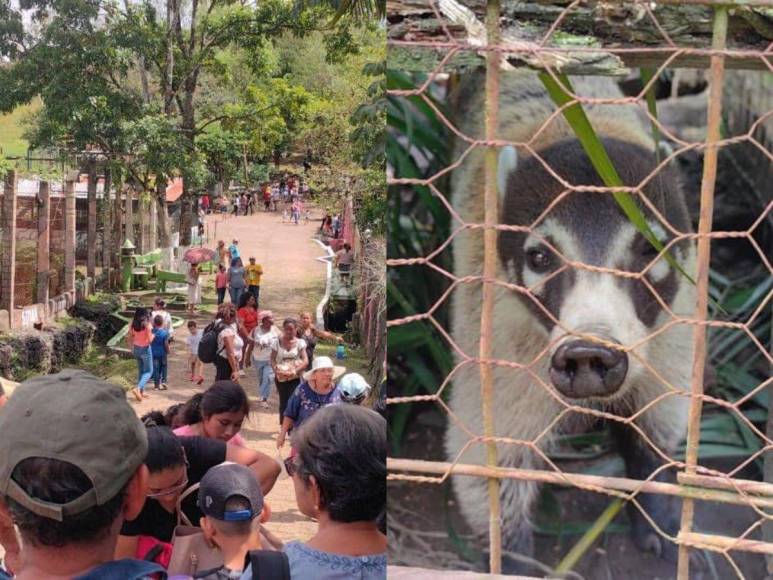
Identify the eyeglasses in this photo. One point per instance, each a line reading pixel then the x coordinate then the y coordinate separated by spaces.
pixel 175 488
pixel 171 490
pixel 290 466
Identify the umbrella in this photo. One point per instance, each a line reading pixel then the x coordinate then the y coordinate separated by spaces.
pixel 199 255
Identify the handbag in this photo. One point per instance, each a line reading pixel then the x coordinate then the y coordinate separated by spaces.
pixel 190 550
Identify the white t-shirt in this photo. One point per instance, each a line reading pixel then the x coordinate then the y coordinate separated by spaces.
pixel 238 343
pixel 193 341
pixel 261 352
pixel 167 319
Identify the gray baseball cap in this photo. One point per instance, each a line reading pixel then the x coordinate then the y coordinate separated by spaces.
pixel 224 482
pixel 71 416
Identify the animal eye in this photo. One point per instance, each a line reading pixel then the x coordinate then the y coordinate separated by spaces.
pixel 539 260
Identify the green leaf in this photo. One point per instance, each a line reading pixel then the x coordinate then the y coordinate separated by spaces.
pixel 594 148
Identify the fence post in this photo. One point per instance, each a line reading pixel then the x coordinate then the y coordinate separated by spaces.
pixel 107 227
pixel 713 126
pixel 491 202
pixel 9 244
pixel 44 242
pixel 69 236
pixel 91 235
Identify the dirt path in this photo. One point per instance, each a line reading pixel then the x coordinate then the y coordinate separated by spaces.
pixel 292 281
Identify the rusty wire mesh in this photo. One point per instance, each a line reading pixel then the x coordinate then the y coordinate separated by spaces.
pixel 694 481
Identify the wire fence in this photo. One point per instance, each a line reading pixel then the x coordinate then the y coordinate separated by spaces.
pixel 478 230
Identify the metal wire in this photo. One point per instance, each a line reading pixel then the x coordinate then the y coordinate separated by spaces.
pixel 694 481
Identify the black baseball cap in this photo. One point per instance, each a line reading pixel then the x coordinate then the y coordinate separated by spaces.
pixel 71 416
pixel 227 481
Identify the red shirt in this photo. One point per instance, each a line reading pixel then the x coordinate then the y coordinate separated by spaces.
pixel 221 280
pixel 249 317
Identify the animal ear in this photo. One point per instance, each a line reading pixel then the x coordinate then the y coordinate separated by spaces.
pixel 507 164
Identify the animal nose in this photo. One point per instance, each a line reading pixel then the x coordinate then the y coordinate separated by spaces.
pixel 581 369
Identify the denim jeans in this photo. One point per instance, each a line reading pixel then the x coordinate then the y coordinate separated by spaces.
pixel 236 294
pixel 144 365
pixel 265 377
pixel 220 295
pixel 159 369
pixel 255 291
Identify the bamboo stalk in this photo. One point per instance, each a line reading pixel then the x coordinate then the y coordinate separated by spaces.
pixel 714 482
pixel 493 59
pixel 714 118
pixel 601 483
pixel 723 543
pixel 582 546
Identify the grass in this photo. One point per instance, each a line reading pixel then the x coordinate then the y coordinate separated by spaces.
pixel 115 369
pixel 12 126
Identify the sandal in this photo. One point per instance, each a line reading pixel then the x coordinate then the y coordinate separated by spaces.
pixel 164 387
pixel 137 394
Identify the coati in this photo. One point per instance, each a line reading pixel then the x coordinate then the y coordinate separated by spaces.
pixel 582 227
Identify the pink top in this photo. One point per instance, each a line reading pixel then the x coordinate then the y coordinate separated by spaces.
pixel 143 337
pixel 221 280
pixel 189 431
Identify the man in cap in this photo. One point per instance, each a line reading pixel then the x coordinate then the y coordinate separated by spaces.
pixel 233 507
pixel 71 471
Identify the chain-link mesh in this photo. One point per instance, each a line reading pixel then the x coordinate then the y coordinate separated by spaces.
pixel 463 32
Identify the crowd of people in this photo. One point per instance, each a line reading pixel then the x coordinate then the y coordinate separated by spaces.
pixel 286 192
pixel 90 491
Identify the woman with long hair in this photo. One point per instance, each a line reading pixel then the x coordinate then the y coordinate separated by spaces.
pixel 247 319
pixel 229 344
pixel 138 340
pixel 217 413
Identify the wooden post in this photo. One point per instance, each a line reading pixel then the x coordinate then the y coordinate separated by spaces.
pixel 69 236
pixel 9 243
pixel 91 236
pixel 107 228
pixel 44 242
pixel 129 215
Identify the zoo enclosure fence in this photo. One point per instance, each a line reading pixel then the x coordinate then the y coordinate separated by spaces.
pixel 461 37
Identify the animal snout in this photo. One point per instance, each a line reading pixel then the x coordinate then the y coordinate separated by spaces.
pixel 580 369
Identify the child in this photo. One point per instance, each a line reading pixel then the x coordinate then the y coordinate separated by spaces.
pixel 354 388
pixel 194 364
pixel 159 308
pixel 233 506
pixel 221 283
pixel 159 348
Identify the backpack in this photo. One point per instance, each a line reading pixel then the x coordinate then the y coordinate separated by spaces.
pixel 268 565
pixel 208 344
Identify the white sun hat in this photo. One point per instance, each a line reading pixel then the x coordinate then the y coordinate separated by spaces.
pixel 323 362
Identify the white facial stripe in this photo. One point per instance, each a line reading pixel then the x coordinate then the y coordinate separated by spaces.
pixel 562 239
pixel 596 304
pixel 659 270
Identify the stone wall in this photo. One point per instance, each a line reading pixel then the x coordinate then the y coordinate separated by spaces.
pixel 44 351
